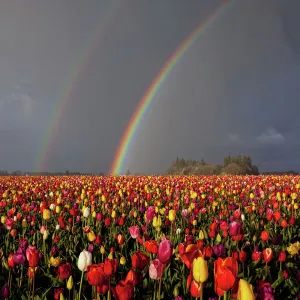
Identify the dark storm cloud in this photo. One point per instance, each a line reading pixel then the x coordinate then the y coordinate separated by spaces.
pixel 236 90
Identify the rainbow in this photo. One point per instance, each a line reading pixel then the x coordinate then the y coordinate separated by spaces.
pixel 80 66
pixel 162 75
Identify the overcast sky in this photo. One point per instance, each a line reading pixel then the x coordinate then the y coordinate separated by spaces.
pixel 236 90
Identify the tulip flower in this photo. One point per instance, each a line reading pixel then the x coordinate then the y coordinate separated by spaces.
pixel 267 255
pixel 245 291
pixel 95 274
pixel 32 255
pixel 70 283
pixel 134 231
pixel 84 260
pixel 139 260
pixel 225 275
pixel 124 290
pixel 151 246
pixel 165 251
pixel 156 269
pixel 64 271
pixel 46 214
pixel 55 261
pixel 200 269
pixel 86 212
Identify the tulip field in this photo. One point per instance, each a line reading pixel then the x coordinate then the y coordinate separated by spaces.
pixel 150 237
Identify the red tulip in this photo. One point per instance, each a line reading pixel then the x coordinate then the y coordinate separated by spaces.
pixel 110 266
pixel 32 255
pixel 242 256
pixel 64 271
pixel 134 276
pixel 139 260
pixel 225 275
pixel 124 290
pixel 95 274
pixel 282 256
pixel 267 255
pixel 264 235
pixel 151 246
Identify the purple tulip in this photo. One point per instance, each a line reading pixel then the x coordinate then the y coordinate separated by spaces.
pixel 90 248
pixel 231 218
pixel 5 291
pixel 19 257
pixel 78 219
pixel 219 250
pixel 178 298
pixel 23 244
pixel 54 250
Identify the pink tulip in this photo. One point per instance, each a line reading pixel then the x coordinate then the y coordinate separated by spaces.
pixel 134 231
pixel 43 229
pixel 150 213
pixel 156 270
pixel 9 223
pixel 165 251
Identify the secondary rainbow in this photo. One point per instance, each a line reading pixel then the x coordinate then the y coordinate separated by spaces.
pixel 80 66
pixel 146 100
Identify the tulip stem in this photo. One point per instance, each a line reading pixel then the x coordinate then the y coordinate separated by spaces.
pixel 225 296
pixel 79 295
pixel 159 288
pixel 201 291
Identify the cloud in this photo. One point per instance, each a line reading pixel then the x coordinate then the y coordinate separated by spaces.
pixel 233 137
pixel 271 136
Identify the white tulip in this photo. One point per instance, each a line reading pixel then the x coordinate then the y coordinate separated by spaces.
pixel 57 227
pixel 45 234
pixel 243 217
pixel 84 260
pixel 86 212
pixel 178 230
pixel 52 206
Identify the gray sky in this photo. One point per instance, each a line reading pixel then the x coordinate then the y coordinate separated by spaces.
pixel 236 90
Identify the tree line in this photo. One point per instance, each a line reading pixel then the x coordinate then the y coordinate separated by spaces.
pixel 232 165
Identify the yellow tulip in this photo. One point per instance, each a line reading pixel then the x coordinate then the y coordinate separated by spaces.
pixel 201 235
pixel 200 269
pixel 57 209
pixel 70 283
pixel 24 223
pixel 102 250
pixel 172 215
pixel 245 291
pixel 91 236
pixel 46 214
pixel 122 260
pixel 55 261
pixel 157 221
pixel 218 238
pixel 293 249
pixel 3 219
